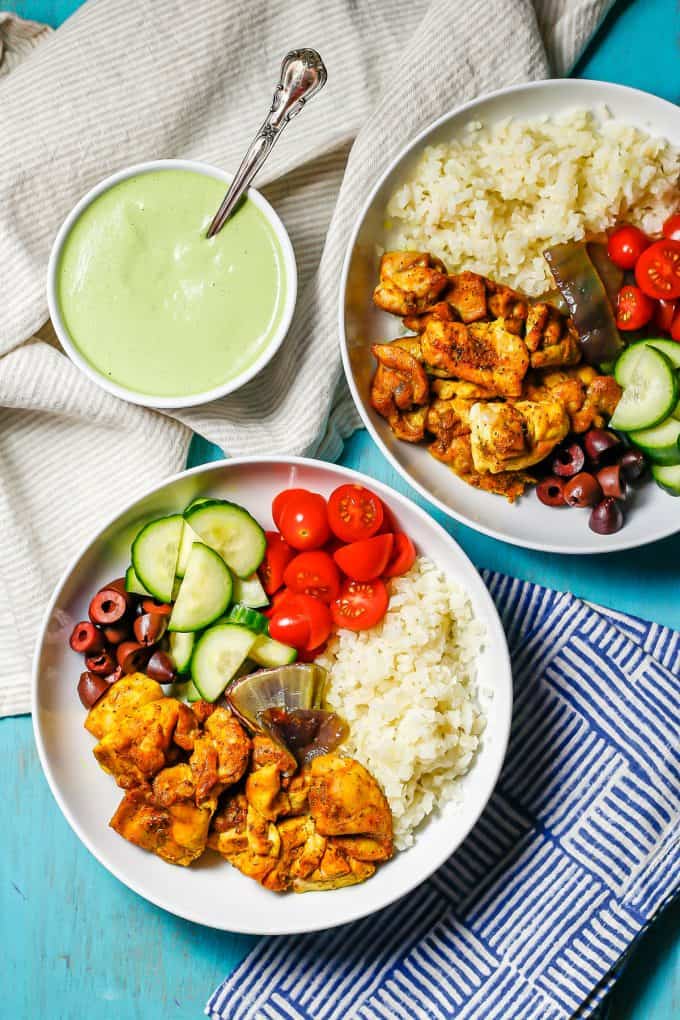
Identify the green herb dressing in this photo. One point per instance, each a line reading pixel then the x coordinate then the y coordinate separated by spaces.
pixel 155 306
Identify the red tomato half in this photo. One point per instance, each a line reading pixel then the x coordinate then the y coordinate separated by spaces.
pixel 360 604
pixel 354 513
pixel 304 520
pixel 671 228
pixel 280 501
pixel 657 271
pixel 362 561
pixel 626 245
pixel 290 627
pixel 278 602
pixel 403 556
pixel 313 573
pixel 633 308
pixel 663 315
pixel 277 555
pixel 302 621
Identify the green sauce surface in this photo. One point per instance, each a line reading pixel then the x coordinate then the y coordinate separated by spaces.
pixel 155 306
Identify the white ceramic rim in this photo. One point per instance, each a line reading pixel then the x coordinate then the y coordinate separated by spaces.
pixel 571 550
pixel 195 399
pixel 498 637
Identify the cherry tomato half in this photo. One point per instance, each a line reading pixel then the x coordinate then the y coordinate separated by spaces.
pixel 354 513
pixel 278 602
pixel 657 271
pixel 290 627
pixel 633 308
pixel 663 315
pixel 360 604
pixel 313 573
pixel 403 556
pixel 280 501
pixel 626 245
pixel 671 228
pixel 304 521
pixel 362 561
pixel 302 621
pixel 277 554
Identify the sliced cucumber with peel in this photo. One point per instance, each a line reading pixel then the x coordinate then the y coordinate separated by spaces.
pixel 134 585
pixel 660 444
pixel 250 618
pixel 189 536
pixel 249 592
pixel 218 654
pixel 671 348
pixel 184 690
pixel 154 555
pixel 181 646
pixel 650 388
pixel 197 502
pixel 270 653
pixel 231 531
pixel 204 594
pixel 668 477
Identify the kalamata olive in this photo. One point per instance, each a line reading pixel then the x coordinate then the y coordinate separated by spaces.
pixel 86 639
pixel 132 656
pixel 100 663
pixel 116 675
pixel 582 490
pixel 154 606
pixel 117 632
pixel 119 584
pixel 633 465
pixel 607 517
pixel 150 628
pixel 612 481
pixel 599 444
pixel 550 491
pixel 568 460
pixel 90 688
pixel 108 606
pixel 160 667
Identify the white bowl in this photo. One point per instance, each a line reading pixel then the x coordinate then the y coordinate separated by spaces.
pixel 192 400
pixel 653 513
pixel 212 892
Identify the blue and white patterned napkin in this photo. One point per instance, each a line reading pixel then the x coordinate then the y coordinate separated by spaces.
pixel 576 852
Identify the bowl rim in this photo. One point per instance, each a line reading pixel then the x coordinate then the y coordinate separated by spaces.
pixel 622 544
pixel 194 399
pixel 497 637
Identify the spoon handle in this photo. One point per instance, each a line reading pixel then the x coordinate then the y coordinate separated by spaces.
pixel 303 74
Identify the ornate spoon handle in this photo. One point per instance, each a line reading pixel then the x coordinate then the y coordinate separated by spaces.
pixel 303 74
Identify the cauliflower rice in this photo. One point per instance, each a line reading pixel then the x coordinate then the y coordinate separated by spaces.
pixel 493 199
pixel 407 691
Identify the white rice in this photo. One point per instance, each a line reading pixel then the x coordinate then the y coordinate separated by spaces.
pixel 407 690
pixel 493 199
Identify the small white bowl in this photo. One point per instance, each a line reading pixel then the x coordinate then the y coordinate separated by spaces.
pixel 135 396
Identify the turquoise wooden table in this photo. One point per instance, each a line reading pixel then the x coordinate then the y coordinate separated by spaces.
pixel 76 943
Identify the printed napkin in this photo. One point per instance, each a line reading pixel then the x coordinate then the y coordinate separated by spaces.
pixel 123 81
pixel 576 852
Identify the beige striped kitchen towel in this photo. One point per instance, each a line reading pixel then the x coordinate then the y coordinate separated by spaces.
pixel 123 81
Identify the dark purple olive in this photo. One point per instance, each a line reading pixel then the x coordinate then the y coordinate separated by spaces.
pixel 582 490
pixel 117 632
pixel 551 491
pixel 633 465
pixel 85 638
pixel 568 460
pixel 154 606
pixel 119 584
pixel 161 668
pixel 612 481
pixel 109 606
pixel 599 444
pixel 132 656
pixel 90 688
pixel 607 517
pixel 116 675
pixel 100 663
pixel 150 628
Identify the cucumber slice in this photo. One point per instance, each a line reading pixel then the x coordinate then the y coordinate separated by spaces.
pixel 270 653
pixel 189 536
pixel 250 618
pixel 650 388
pixel 671 348
pixel 197 502
pixel 217 656
pixel 668 477
pixel 181 646
pixel 675 413
pixel 154 555
pixel 134 585
pixel 205 592
pixel 184 690
pixel 232 532
pixel 661 444
pixel 249 592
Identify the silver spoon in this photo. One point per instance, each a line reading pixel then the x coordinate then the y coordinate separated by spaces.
pixel 303 74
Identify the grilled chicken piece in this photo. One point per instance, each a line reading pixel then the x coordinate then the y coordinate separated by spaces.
pixel 509 437
pixel 447 419
pixel 336 869
pixel 470 297
pixel 483 353
pixel 173 784
pixel 399 389
pixel 588 398
pixel 457 454
pixel 178 832
pixel 345 800
pixel 410 281
pixel 551 337
pixel 128 693
pixel 452 389
pixel 142 742
pixel 441 310
pixel 221 754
